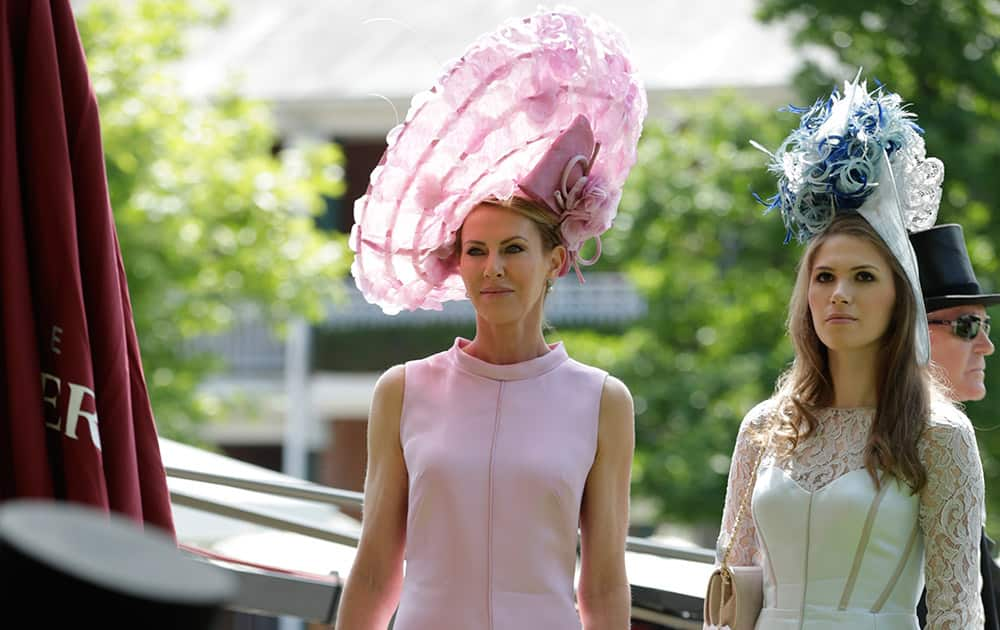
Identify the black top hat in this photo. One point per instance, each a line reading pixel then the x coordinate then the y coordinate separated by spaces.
pixel 94 568
pixel 946 275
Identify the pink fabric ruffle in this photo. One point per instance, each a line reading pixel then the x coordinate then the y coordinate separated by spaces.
pixel 485 123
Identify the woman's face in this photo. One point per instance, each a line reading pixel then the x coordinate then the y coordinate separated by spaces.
pixel 851 293
pixel 504 264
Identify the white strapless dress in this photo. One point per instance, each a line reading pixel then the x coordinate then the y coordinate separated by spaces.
pixel 838 553
pixel 846 556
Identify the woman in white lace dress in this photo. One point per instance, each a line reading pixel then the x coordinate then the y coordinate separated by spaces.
pixel 866 482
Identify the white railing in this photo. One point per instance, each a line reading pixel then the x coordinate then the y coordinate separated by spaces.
pixel 314 598
pixel 347 498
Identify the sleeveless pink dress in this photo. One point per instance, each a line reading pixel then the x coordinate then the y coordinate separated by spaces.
pixel 497 458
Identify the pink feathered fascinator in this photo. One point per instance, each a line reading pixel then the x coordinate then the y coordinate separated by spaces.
pixel 547 107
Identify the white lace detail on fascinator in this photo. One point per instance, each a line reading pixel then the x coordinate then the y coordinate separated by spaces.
pixel 836 162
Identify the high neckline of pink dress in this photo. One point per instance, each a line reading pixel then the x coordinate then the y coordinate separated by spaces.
pixel 531 368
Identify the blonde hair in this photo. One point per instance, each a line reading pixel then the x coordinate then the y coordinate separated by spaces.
pixel 903 387
pixel 547 223
pixel 542 217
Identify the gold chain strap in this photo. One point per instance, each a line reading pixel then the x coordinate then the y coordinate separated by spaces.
pixel 744 500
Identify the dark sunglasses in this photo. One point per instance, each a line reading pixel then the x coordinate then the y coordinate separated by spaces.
pixel 965 326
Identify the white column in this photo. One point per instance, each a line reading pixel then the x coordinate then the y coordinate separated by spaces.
pixel 295 446
pixel 298 421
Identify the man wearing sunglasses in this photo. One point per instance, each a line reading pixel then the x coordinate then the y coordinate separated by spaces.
pixel 960 341
pixel 956 310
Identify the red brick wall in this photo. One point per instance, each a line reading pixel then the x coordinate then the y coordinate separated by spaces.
pixel 345 457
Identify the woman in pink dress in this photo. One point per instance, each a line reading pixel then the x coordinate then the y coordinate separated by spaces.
pixel 488 462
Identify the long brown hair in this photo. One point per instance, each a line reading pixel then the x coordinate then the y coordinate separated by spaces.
pixel 903 387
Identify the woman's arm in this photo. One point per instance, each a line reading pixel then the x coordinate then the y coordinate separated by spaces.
pixel 742 536
pixel 951 517
pixel 372 590
pixel 603 593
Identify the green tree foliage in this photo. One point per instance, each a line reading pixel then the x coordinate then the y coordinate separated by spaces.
pixel 943 56
pixel 209 217
pixel 717 278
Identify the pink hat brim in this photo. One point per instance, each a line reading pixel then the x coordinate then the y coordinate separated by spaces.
pixel 482 128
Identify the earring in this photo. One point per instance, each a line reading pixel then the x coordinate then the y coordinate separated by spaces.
pixel 548 285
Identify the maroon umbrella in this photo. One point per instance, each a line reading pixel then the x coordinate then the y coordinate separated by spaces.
pixel 75 419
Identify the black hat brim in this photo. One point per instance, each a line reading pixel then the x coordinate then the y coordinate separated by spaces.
pixel 941 302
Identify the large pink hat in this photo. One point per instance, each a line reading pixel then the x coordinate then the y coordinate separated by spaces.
pixel 547 107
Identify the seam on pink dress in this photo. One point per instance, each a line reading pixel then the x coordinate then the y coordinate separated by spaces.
pixel 489 525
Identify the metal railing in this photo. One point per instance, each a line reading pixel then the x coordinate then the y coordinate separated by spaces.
pixel 347 498
pixel 303 490
pixel 316 600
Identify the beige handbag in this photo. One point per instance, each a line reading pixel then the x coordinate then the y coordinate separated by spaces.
pixel 735 594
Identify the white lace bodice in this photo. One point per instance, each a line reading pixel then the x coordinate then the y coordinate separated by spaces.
pixel 951 505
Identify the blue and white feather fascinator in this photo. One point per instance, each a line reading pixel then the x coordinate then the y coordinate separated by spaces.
pixel 860 152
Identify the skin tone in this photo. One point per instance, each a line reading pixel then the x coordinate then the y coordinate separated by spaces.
pixel 376 577
pixel 603 594
pixel 505 266
pixel 962 362
pixel 851 298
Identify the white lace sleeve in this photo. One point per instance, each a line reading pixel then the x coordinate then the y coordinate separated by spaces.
pixel 745 457
pixel 951 509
